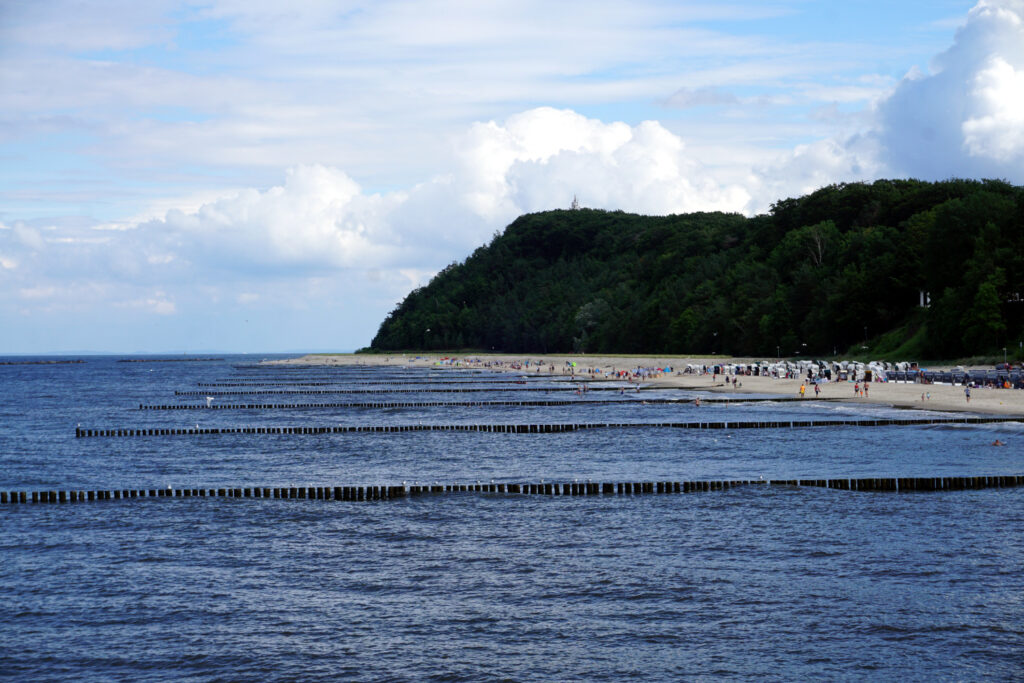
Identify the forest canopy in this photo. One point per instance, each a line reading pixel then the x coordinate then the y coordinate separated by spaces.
pixel 843 269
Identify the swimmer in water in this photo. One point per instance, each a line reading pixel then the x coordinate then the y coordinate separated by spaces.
pixel 997 442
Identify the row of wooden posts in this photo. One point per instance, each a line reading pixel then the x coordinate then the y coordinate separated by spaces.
pixel 523 428
pixel 343 380
pixel 426 390
pixel 361 369
pixel 457 404
pixel 357 493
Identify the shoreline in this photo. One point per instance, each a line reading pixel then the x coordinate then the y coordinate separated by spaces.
pixel 938 397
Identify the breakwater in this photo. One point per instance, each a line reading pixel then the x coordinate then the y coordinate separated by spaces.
pixel 372 383
pixel 575 488
pixel 81 432
pixel 428 390
pixel 466 404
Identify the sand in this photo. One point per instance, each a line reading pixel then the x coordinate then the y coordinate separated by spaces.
pixel 942 397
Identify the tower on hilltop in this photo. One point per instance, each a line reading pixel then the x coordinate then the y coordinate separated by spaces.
pixel 575 204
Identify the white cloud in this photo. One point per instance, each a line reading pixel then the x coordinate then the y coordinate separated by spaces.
pixel 996 130
pixel 161 306
pixel 37 292
pixel 319 220
pixel 29 237
pixel 157 303
pixel 395 98
pixel 540 159
pixel 809 167
pixel 964 118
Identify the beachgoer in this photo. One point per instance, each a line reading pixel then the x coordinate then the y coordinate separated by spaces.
pixel 817 390
pixel 967 393
pixel 856 389
pixel 803 388
pixel 865 389
pixel 997 442
pixel 696 402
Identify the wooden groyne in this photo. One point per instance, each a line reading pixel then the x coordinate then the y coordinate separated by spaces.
pixel 358 367
pixel 369 383
pixel 169 360
pixel 427 390
pixel 526 428
pixel 41 362
pixel 575 488
pixel 467 404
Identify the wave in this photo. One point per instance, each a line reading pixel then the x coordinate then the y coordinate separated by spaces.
pixel 1008 427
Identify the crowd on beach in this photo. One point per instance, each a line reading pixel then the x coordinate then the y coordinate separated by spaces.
pixel 811 373
pixel 571 368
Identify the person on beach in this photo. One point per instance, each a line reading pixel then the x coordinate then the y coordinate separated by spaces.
pixel 967 393
pixel 803 388
pixel 856 389
pixel 817 391
pixel 865 389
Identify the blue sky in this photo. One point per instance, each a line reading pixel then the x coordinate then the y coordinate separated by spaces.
pixel 258 176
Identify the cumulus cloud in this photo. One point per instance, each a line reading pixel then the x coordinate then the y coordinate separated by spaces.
pixel 809 167
pixel 320 220
pixel 997 129
pixel 966 117
pixel 319 234
pixel 541 158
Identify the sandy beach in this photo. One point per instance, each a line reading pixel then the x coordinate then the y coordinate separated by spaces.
pixel 936 396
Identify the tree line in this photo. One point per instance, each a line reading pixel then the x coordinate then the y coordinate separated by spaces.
pixel 841 270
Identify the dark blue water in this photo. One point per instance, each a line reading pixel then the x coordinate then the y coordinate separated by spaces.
pixel 766 583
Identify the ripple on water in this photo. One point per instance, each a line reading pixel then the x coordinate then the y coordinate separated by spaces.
pixel 758 583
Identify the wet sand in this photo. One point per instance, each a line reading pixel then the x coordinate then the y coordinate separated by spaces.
pixel 942 397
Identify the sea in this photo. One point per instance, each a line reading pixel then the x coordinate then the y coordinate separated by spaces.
pixel 759 583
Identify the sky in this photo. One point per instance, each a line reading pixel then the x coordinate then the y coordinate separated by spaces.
pixel 258 176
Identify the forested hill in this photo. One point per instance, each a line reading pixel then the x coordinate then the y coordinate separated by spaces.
pixel 835 271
